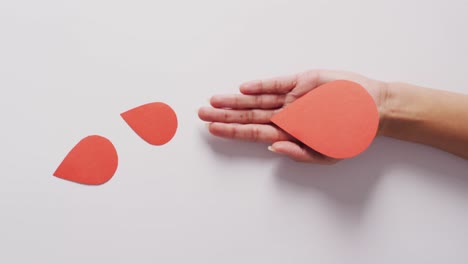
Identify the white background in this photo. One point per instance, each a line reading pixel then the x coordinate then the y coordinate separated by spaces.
pixel 69 68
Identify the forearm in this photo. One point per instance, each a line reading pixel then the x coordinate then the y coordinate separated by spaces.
pixel 427 116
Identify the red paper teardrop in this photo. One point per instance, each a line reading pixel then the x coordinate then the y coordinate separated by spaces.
pixel 338 119
pixel 156 123
pixel 92 161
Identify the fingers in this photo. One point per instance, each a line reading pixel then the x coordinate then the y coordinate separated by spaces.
pixel 280 85
pixel 255 116
pixel 250 132
pixel 325 76
pixel 239 101
pixel 301 154
pixel 312 79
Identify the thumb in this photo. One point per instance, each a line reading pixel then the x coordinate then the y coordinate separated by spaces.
pixel 298 153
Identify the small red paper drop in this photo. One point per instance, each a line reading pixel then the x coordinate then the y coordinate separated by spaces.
pixel 93 161
pixel 156 123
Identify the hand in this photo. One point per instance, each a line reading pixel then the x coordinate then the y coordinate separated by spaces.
pixel 247 116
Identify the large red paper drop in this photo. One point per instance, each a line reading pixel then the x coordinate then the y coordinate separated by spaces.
pixel 338 119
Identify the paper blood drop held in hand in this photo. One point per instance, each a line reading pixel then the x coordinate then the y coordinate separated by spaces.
pixel 338 119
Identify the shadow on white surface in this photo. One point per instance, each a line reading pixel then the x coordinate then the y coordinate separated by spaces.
pixel 350 183
pixel 237 149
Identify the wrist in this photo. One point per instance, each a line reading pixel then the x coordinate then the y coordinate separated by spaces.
pixel 401 107
pixel 389 106
pixel 386 94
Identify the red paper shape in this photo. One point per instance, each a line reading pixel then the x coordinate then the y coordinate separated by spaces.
pixel 156 123
pixel 92 161
pixel 338 119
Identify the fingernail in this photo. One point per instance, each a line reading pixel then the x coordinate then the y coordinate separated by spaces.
pixel 207 125
pixel 248 85
pixel 270 148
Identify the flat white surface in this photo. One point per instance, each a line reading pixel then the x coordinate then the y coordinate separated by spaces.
pixel 69 68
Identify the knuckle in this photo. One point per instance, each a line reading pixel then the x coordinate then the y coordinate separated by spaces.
pixel 276 86
pixel 255 134
pixel 236 102
pixel 279 100
pixel 251 116
pixel 262 84
pixel 259 100
pixel 234 132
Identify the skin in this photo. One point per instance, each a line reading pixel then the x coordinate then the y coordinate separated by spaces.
pixel 407 112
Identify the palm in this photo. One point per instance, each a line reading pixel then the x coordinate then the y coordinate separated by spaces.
pixel 247 116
